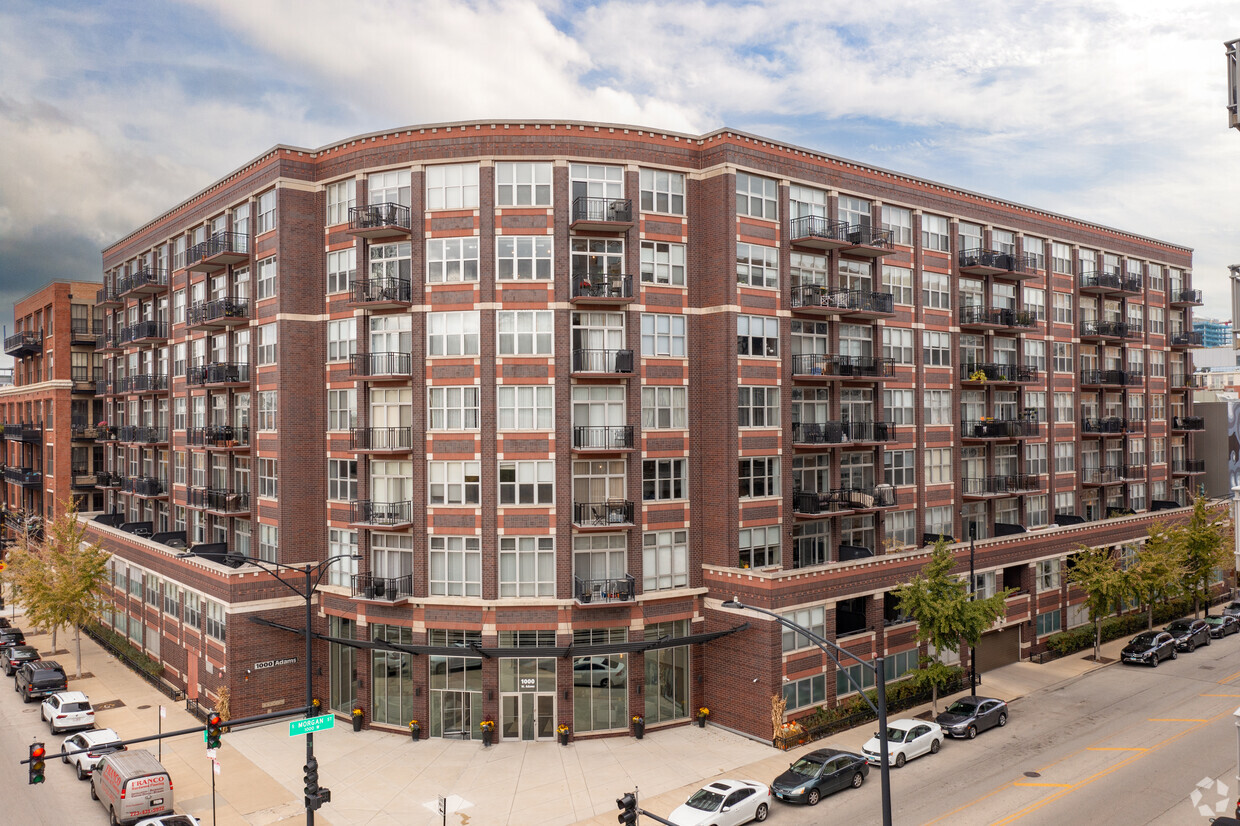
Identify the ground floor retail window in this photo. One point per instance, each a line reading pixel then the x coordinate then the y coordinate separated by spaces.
pixel 391 673
pixel 456 697
pixel 342 665
pixel 527 698
pixel 600 692
pixel 667 684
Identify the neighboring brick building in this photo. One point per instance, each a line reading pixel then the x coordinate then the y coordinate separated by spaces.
pixel 50 455
pixel 567 387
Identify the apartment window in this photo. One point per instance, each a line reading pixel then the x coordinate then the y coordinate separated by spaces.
pixel 266 212
pixel 757 335
pixel 178 468
pixel 757 266
pixel 1156 279
pixel 1035 248
pixel 524 332
pixel 665 408
pixel 1035 459
pixel 390 261
pixel 899 222
pixel 811 619
pixel 216 620
pixel 899 282
pixel 453 407
pixel 341 196
pixel 1063 356
pixel 1035 400
pixel 759 546
pixel 268 478
pixel 341 543
pixel 342 409
pixel 341 270
pixel 452 186
pixel 341 339
pixel 759 476
pixel 523 257
pixel 1136 407
pixel 178 413
pixel 938 407
pixel 178 307
pixel 1061 258
pixel 266 410
pixel 898 344
pixel 969 236
pixel 454 483
pixel 662 191
pixel 901 529
pixel 1062 308
pixel 758 406
pixel 526 566
pixel 266 279
pixel 1158 451
pixel 342 480
pixel 527 483
pixel 1157 324
pixel 455 566
pixel 1035 303
pixel 1136 453
pixel 665 560
pixel 934 233
pixel 756 197
pixel 664 335
pixel 172 599
pixel 1158 406
pixel 935 290
pixel 1064 408
pixel 452 334
pixel 938 465
pixel 1035 354
pixel 451 260
pixel 267 344
pixel 525 407
pixel 523 184
pixel 1065 457
pixel 1158 363
pixel 1136 496
pixel 899 467
pixel 898 406
pixel 664 479
pixel 663 263
pixel 936 348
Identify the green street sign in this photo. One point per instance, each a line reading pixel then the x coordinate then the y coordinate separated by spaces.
pixel 323 721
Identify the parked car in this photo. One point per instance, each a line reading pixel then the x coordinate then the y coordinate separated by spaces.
pixel 4 623
pixel 67 709
pixel 39 679
pixel 1232 609
pixel 1221 626
pixel 98 742
pixel 170 820
pixel 724 803
pixel 1189 633
pixel 819 773
pixel 1149 647
pixel 599 671
pixel 13 656
pixel 132 786
pixel 906 739
pixel 970 715
pixel 12 636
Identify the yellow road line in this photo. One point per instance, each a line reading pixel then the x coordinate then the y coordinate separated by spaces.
pixel 1218 695
pixel 1176 720
pixel 1116 748
pixel 1229 678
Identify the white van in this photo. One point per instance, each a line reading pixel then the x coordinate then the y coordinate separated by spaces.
pixel 132 785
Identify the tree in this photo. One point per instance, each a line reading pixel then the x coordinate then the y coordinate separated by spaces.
pixel 1096 571
pixel 1158 572
pixel 946 613
pixel 1203 550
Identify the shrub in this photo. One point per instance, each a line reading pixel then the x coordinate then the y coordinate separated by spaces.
pixel 125 649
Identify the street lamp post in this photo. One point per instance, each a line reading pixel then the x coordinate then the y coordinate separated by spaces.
pixel 880 683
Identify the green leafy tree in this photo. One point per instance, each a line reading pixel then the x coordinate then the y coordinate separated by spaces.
pixel 1158 572
pixel 946 613
pixel 1096 571
pixel 1204 548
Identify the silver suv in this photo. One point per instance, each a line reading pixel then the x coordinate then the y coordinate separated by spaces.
pixel 1232 609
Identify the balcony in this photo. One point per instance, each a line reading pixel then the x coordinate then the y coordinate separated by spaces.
pixel 381 365
pixel 219 436
pixel 107 297
pixel 1100 283
pixel 381 293
pixel 136 434
pixel 107 479
pixel 817 299
pixel 836 366
pixel 146 281
pixel 1179 338
pixel 1098 330
pixel 978 317
pixel 999 429
pixel 142 383
pixel 217 373
pixel 1185 467
pixel 380 221
pixel 24 476
pixel 602 289
pixel 1024 483
pixel 609 362
pixel 613 513
pixel 612 438
pixel 106 341
pixel 369 514
pixel 1186 298
pixel 991 262
pixel 144 332
pixel 982 487
pixel 867 240
pixel 107 433
pixel 83 430
pixel 842 433
pixel 219 500
pixel 23 344
pixel 812 503
pixel 218 251
pixel 606 214
pixel 983 372
pixel 1188 423
pixel 382 589
pixel 83 479
pixel 84 331
pixel 1111 378
pixel 1107 475
pixel 382 439
pixel 604 591
pixel 30 433
pixel 147 486
pixel 218 313
pixel 1111 425
pixel 818 232
pixel 1186 381
pixel 103 387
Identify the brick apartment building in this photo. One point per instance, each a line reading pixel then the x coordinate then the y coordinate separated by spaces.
pixel 507 365
pixel 50 454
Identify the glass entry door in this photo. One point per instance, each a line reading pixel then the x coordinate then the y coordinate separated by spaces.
pixel 527 698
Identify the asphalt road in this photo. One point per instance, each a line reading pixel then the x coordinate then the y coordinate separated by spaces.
pixel 1120 745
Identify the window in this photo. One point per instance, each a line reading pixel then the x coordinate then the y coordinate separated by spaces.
pixel 665 408
pixel 341 339
pixel 934 233
pixel 898 344
pixel 266 212
pixel 663 335
pixel 1035 459
pixel 759 546
pixel 178 413
pixel 178 307
pixel 454 483
pixel 756 197
pixel 1156 278
pixel 758 406
pixel 899 282
pixel 452 334
pixel 527 483
pixel 759 476
pixel 526 566
pixel 1157 324
pixel 935 290
pixel 524 332
pixel 341 543
pixel 452 186
pixel 898 406
pixel 1061 258
pixel 1035 354
pixel 662 191
pixel 389 262
pixel 1049 623
pixel 757 266
pixel 665 560
pixel 1136 496
pixel 1158 406
pixel 267 410
pixel 936 348
pixel 178 468
pixel 341 196
pixel 938 407
pixel 267 344
pixel 341 270
pixel 342 409
pixel 455 566
pixel 938 465
pixel 1158 363
pixel 1035 400
pixel 807 691
pixel 1035 248
pixel 899 222
pixel 1063 356
pixel 663 263
pixel 342 480
pixel 1062 308
pixel 664 479
pixel 1065 457
pixel 1035 303
pixel 812 620
pixel 1036 515
pixel 901 528
pixel 453 407
pixel 172 599
pixel 523 257
pixel 451 260
pixel 266 278
pixel 268 478
pixel 757 335
pixel 1063 408
pixel 525 407
pixel 899 467
pixel 1136 453
pixel 522 184
pixel 216 620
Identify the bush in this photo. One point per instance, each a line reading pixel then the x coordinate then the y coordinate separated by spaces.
pixel 124 649
pixel 1114 628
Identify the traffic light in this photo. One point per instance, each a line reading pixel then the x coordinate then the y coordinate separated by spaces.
pixel 628 809
pixel 37 762
pixel 312 777
pixel 215 730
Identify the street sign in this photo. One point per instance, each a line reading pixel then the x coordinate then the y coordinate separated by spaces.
pixel 323 721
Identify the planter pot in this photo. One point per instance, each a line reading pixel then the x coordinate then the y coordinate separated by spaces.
pixel 639 730
pixel 414 732
pixel 486 738
pixel 701 722
pixel 357 722
pixel 563 739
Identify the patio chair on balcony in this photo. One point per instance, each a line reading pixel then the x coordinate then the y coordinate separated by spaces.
pixel 811 433
pixel 833 433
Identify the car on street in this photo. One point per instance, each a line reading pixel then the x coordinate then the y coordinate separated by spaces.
pixel 67 709
pixel 12 636
pixel 39 679
pixel 970 715
pixel 12 657
pixel 599 671
pixel 820 773
pixel 1232 609
pixel 906 739
pixel 724 803
pixel 4 623
pixel 1189 633
pixel 1221 626
pixel 98 742
pixel 1150 648
pixel 169 820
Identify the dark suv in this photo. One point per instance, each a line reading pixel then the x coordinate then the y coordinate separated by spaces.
pixel 12 636
pixel 1189 633
pixel 39 679
pixel 12 657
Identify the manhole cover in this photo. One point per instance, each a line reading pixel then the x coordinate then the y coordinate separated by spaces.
pixel 1033 774
pixel 140 708
pixel 107 704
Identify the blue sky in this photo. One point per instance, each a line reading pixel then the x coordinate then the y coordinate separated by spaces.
pixel 1112 112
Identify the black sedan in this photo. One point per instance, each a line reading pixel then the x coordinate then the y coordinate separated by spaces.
pixel 1149 647
pixel 13 656
pixel 1189 633
pixel 969 715
pixel 1222 626
pixel 818 773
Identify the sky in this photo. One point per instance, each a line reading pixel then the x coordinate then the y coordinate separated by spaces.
pixel 1112 111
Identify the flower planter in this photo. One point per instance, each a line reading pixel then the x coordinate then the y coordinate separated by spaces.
pixel 415 732
pixel 487 734
pixel 564 739
pixel 701 721
pixel 357 722
pixel 639 729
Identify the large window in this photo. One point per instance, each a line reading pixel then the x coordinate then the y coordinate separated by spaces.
pixel 756 197
pixel 390 261
pixel 758 406
pixel 526 566
pixel 600 685
pixel 757 266
pixel 935 290
pixel 936 348
pixel 663 263
pixel 266 410
pixel 342 479
pixel 452 334
pixel 665 560
pixel 391 187
pixel 667 674
pixel 341 339
pixel 525 332
pixel 456 566
pixel 451 260
pixel 757 335
pixel 266 212
pixel 665 407
pixel 899 222
pixel 266 278
pixel 267 344
pixel 662 191
pixel 391 674
pixel 522 184
pixel 523 257
pixel 341 269
pixel 342 409
pixel 527 483
pixel 934 233
pixel 664 479
pixel 525 407
pixel 758 476
pixel 453 407
pixel 452 186
pixel 340 197
pixel 268 477
pixel 664 335
pixel 454 483
pixel 759 546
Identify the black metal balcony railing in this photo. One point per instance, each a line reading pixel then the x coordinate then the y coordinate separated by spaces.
pixel 1188 465
pixel 25 343
pixel 221 243
pixel 611 512
pixel 612 287
pixel 106 295
pixel 614 437
pixel 603 210
pixel 222 500
pixel 369 586
pixel 603 591
pixel 147 277
pixel 107 433
pixel 24 476
pixel 219 435
pixel 846 301
pixel 382 438
pixel 1121 378
pixel 142 383
pixel 842 432
pixel 997 316
pixel 103 387
pixel 602 361
pixel 1096 279
pixel 1110 424
pixel 83 478
pixel 83 330
pixel 82 375
pixel 144 485
pixel 808 227
pixel 812 503
pixel 107 479
pixel 379 216
pixel 1022 482
pixel 1109 329
pixel 999 428
pixel 378 290
pixel 31 432
pixel 381 364
pixel 1187 297
pixel 367 512
pixel 83 429
pixel 994 260
pixel 1188 423
pixel 1187 381
pixel 218 373
pixel 142 434
pixel 987 371
pixel 834 364
pixel 1106 475
pixel 205 312
pixel 1185 338
pixel 984 485
pixel 144 330
pixel 869 235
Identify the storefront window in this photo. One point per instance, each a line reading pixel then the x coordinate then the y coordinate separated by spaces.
pixel 600 682
pixel 391 675
pixel 667 675
pixel 342 665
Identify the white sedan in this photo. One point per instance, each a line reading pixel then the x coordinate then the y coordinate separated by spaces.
pixel 724 803
pixel 906 739
pixel 170 820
